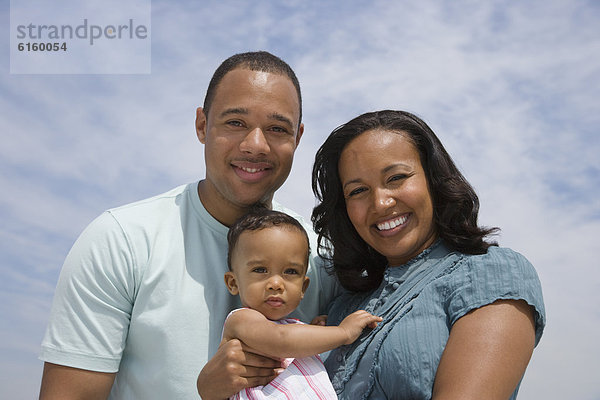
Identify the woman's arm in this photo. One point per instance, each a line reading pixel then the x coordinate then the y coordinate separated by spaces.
pixel 487 352
pixel 294 340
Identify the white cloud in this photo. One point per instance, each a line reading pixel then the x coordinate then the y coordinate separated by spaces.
pixel 510 89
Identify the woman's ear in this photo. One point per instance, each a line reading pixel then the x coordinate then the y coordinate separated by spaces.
pixel 231 283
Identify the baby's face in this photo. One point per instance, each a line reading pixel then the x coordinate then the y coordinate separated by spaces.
pixel 269 270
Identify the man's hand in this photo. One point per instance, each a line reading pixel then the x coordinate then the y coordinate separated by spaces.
pixel 235 367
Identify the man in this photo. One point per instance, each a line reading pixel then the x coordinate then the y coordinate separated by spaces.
pixel 140 302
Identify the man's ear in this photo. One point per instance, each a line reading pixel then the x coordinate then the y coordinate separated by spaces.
pixel 231 283
pixel 200 124
pixel 305 285
pixel 299 134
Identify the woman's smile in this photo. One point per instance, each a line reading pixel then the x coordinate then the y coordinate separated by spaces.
pixel 387 195
pixel 392 223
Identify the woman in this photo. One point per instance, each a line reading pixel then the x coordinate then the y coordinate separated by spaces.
pixel 461 316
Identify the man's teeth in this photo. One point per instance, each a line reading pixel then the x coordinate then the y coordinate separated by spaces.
pixel 392 224
pixel 251 170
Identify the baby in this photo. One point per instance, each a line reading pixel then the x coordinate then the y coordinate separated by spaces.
pixel 268 258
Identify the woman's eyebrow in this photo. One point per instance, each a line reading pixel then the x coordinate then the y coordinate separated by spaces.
pixel 395 165
pixel 351 182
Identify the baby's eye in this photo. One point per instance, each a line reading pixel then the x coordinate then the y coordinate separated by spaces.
pixel 259 270
pixel 292 271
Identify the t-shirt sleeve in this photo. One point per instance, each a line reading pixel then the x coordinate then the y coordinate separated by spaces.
pixel 92 304
pixel 500 274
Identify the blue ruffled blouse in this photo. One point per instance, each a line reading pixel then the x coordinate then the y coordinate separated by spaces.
pixel 419 302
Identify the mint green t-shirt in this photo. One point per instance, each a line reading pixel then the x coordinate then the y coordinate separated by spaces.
pixel 142 293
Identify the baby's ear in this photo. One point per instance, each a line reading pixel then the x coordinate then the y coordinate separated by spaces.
pixel 231 283
pixel 305 285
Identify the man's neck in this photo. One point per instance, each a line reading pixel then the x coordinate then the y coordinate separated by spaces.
pixel 220 208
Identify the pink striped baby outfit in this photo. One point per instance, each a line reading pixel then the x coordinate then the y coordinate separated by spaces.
pixel 304 378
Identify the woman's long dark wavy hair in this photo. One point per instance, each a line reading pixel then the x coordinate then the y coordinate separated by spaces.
pixel 357 265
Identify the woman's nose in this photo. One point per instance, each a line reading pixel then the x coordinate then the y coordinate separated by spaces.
pixel 384 199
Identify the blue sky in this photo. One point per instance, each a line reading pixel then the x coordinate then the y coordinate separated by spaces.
pixel 511 88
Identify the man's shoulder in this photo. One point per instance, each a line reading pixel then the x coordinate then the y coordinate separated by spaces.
pixel 280 207
pixel 149 214
pixel 153 208
pixel 172 197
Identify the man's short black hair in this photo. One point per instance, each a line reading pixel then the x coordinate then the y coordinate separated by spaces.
pixel 254 61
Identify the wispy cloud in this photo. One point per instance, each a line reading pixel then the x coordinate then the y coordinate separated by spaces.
pixel 511 89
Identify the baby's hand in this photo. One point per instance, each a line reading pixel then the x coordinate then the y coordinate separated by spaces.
pixel 320 320
pixel 354 324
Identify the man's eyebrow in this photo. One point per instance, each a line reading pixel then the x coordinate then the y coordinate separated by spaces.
pixel 243 111
pixel 281 118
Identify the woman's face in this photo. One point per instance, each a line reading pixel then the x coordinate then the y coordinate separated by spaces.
pixel 386 193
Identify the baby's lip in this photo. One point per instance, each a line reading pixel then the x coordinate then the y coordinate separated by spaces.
pixel 274 301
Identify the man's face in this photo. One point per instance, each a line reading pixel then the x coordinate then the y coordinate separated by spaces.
pixel 250 135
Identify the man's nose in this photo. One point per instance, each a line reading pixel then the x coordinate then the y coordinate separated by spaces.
pixel 255 142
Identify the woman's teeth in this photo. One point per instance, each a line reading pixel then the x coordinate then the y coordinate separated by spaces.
pixel 392 224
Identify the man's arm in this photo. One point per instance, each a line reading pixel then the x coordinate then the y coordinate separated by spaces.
pixel 294 340
pixel 66 383
pixel 487 352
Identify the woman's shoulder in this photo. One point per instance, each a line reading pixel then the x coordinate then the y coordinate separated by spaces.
pixel 499 269
pixel 499 261
pixel 500 273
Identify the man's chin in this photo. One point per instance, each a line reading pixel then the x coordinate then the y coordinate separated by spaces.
pixel 258 202
pixel 247 200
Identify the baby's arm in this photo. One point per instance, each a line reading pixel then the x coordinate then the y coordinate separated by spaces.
pixel 294 340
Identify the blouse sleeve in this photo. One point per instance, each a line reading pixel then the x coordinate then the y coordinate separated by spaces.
pixel 500 274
